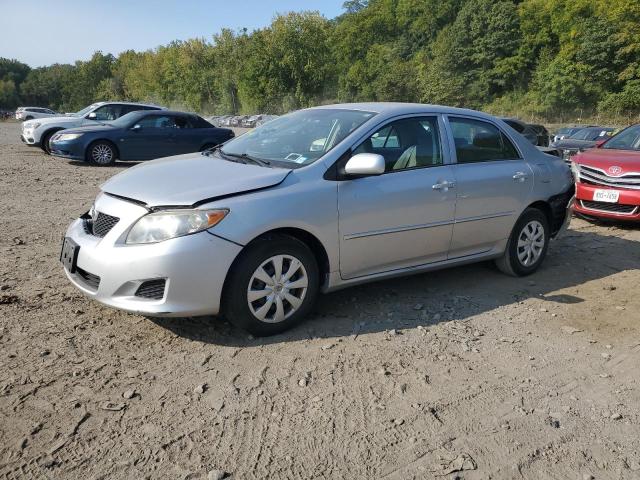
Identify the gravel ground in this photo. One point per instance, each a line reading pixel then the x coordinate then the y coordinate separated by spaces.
pixel 462 373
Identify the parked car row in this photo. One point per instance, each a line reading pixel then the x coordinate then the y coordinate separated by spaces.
pixel 245 121
pixel 108 131
pixel 578 140
pixel 536 134
pixel 146 244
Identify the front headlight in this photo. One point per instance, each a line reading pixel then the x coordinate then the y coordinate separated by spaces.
pixel 31 126
pixel 63 137
pixel 166 224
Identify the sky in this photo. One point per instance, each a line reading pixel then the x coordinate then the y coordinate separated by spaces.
pixel 42 32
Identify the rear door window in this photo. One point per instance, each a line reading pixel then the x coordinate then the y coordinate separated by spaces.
pixel 157 121
pixel 183 122
pixel 480 141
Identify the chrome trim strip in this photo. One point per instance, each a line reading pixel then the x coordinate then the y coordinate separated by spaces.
pixel 408 228
pixel 622 214
pixel 608 178
pixel 628 174
pixel 485 217
pixel 387 231
pixel 605 183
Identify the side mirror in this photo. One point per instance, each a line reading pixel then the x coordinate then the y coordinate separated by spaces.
pixel 92 116
pixel 136 128
pixel 600 142
pixel 365 164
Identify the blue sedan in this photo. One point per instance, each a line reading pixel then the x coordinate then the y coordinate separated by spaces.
pixel 140 135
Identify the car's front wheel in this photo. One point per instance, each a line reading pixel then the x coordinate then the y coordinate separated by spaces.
pixel 527 245
pixel 271 286
pixel 44 142
pixel 101 153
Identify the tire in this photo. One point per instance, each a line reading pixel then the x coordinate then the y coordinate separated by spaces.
pixel 44 141
pixel 273 308
pixel 527 245
pixel 101 153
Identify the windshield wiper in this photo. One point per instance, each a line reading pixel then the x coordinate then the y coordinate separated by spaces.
pixel 245 157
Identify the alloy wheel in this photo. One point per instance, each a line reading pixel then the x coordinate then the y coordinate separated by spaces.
pixel 531 243
pixel 102 154
pixel 277 288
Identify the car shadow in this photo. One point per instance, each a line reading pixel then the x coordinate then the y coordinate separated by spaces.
pixel 118 164
pixel 441 296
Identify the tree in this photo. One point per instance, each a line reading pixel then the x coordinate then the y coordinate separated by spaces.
pixel 476 59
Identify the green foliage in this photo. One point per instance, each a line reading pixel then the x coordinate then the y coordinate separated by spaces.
pixel 12 74
pixel 544 58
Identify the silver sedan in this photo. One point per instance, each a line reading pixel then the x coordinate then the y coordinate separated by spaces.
pixel 313 201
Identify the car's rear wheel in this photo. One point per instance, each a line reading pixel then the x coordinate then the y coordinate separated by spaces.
pixel 271 286
pixel 527 245
pixel 101 153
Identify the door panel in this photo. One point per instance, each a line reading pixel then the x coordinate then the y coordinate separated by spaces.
pixel 185 140
pixel 153 140
pixel 488 204
pixel 493 185
pixel 394 220
pixel 146 144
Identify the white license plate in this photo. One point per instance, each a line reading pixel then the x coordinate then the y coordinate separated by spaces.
pixel 609 196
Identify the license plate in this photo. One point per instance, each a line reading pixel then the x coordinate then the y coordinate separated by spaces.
pixel 609 196
pixel 69 254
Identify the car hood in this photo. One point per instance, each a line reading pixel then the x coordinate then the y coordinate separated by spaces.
pixel 573 143
pixel 624 161
pixel 190 179
pixel 100 127
pixel 67 121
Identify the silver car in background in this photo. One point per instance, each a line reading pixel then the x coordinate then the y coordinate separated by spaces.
pixel 313 201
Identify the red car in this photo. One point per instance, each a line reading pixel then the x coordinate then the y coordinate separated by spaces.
pixel 608 177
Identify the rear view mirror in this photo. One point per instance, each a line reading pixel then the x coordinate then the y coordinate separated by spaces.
pixel 364 164
pixel 92 116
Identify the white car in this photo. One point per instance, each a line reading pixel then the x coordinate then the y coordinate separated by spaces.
pixel 36 133
pixel 29 113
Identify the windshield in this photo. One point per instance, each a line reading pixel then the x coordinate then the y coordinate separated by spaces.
pixel 85 110
pixel 591 133
pixel 584 134
pixel 299 138
pixel 628 139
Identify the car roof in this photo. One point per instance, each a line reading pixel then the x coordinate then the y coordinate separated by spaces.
pixel 166 112
pixel 129 103
pixel 515 120
pixel 397 108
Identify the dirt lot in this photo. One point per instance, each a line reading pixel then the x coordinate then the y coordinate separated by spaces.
pixel 464 373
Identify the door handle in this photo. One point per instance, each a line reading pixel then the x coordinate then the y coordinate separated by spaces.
pixel 520 176
pixel 444 185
